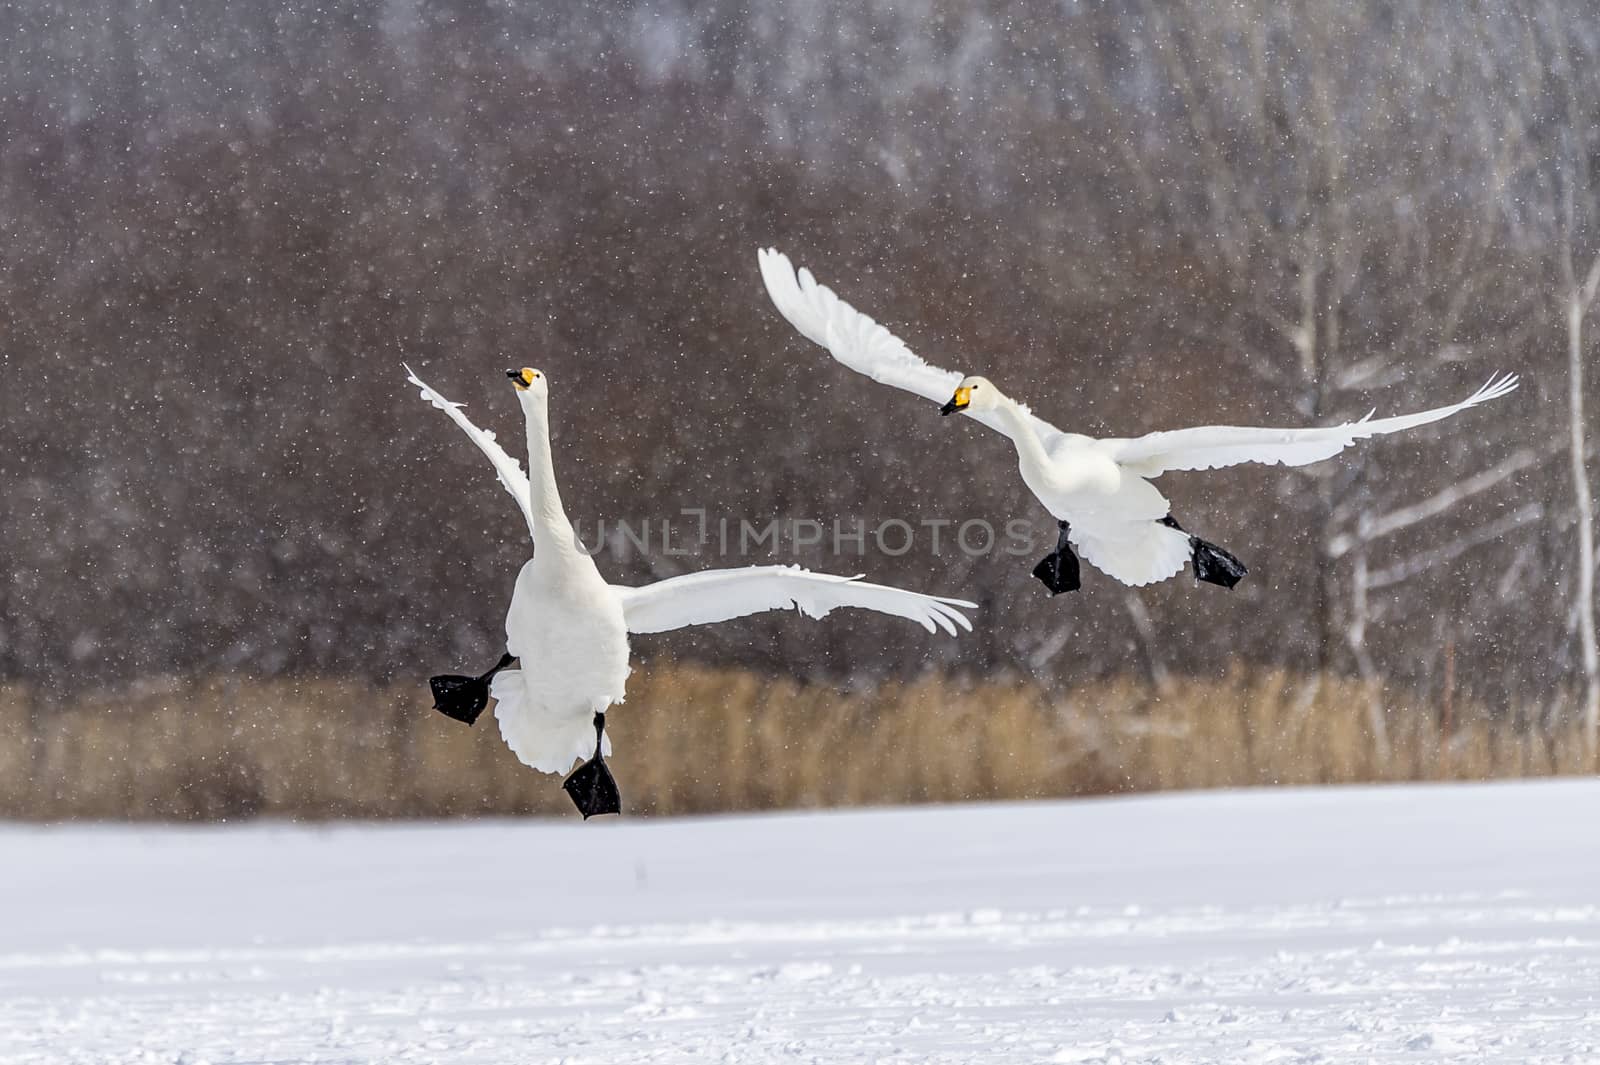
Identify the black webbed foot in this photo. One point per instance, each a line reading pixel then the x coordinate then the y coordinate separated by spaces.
pixel 461 698
pixel 1059 572
pixel 591 785
pixel 1211 563
pixel 1215 566
pixel 464 698
pixel 593 789
pixel 1059 569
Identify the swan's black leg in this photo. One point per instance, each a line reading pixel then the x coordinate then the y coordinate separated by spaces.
pixel 1059 569
pixel 1211 563
pixel 463 698
pixel 591 785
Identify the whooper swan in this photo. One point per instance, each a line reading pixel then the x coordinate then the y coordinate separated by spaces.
pixel 1099 491
pixel 567 629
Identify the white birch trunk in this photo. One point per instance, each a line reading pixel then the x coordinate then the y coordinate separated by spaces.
pixel 1583 502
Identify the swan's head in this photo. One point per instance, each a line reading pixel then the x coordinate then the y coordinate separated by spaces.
pixel 973 393
pixel 529 382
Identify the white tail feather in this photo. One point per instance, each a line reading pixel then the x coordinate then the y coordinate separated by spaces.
pixel 551 741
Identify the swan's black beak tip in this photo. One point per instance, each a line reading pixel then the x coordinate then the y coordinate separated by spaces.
pixel 515 375
pixel 960 401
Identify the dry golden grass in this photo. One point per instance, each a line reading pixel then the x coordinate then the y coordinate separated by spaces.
pixel 692 739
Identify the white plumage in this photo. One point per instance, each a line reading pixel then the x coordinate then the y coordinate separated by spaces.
pixel 569 629
pixel 1101 488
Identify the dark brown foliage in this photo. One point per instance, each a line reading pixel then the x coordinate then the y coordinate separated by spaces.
pixel 224 227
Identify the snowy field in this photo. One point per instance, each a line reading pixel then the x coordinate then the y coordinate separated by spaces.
pixel 1401 924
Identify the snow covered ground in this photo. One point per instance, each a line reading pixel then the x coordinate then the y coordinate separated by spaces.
pixel 1388 924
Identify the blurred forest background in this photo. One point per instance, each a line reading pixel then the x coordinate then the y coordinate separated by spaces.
pixel 223 227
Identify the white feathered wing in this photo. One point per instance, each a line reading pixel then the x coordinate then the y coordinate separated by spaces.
pixel 861 343
pixel 722 594
pixel 1211 447
pixel 508 469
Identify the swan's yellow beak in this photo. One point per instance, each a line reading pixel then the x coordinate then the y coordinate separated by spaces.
pixel 959 401
pixel 523 378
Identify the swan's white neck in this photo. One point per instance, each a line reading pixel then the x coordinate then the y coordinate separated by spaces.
pixel 1020 429
pixel 551 529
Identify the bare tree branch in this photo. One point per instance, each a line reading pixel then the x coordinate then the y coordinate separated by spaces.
pixel 1436 504
pixel 1426 560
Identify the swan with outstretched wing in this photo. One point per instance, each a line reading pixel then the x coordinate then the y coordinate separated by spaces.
pixel 1098 490
pixel 567 629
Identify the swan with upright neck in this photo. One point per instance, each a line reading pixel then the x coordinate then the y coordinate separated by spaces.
pixel 1098 490
pixel 566 652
